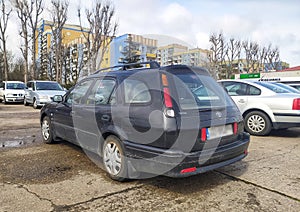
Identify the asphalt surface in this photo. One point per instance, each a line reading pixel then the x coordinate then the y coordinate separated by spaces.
pixel 61 177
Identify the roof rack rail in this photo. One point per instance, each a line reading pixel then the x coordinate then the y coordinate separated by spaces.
pixel 127 66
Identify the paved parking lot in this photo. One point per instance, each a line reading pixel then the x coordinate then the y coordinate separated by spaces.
pixel 61 177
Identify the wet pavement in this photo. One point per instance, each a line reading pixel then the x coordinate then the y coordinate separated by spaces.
pixel 61 177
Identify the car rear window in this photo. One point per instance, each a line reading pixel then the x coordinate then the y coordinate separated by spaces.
pixel 273 87
pixel 197 91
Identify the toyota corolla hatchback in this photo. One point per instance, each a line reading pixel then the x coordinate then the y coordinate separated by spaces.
pixel 175 121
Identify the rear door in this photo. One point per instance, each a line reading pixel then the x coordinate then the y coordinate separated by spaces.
pixel 238 92
pixel 205 112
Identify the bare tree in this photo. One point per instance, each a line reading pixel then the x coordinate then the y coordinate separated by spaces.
pixel 24 12
pixel 217 56
pixel 251 50
pixel 4 16
pixel 59 17
pixel 36 7
pixel 233 53
pixel 272 57
pixel 101 30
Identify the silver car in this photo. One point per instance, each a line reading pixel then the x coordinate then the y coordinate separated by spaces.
pixel 264 106
pixel 38 93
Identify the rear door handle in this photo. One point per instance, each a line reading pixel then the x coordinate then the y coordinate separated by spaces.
pixel 105 118
pixel 241 101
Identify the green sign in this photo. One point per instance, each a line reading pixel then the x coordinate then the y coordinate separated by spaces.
pixel 247 76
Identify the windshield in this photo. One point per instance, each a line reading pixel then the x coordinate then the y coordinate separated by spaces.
pixel 48 86
pixel 200 92
pixel 15 86
pixel 273 87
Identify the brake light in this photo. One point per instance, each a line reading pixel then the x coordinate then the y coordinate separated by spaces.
pixel 203 134
pixel 235 128
pixel 296 104
pixel 164 80
pixel 167 98
pixel 188 170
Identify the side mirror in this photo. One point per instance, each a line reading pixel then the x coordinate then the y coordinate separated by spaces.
pixel 58 98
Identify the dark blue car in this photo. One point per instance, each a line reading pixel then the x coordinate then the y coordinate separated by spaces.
pixel 175 121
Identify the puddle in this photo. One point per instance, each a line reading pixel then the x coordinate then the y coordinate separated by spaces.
pixel 17 142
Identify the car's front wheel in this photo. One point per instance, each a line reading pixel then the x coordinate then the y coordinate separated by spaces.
pixel 46 128
pixel 35 106
pixel 25 102
pixel 257 123
pixel 113 158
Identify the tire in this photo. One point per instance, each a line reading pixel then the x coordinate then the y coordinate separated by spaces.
pixel 258 123
pixel 25 102
pixel 47 133
pixel 34 104
pixel 114 161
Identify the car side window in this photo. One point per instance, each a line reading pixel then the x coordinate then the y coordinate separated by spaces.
pixel 102 92
pixel 235 88
pixel 136 91
pixel 254 91
pixel 77 94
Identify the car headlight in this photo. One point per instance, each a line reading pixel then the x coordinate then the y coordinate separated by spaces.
pixel 44 97
pixel 9 94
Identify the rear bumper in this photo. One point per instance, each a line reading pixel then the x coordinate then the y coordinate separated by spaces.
pixel 172 163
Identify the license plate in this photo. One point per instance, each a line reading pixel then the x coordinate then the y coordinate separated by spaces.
pixel 219 131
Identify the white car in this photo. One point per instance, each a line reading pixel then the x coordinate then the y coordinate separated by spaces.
pixel 11 91
pixel 264 106
pixel 38 93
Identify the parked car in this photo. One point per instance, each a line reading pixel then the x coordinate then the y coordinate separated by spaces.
pixel 286 87
pixel 38 93
pixel 11 91
pixel 175 121
pixel 264 106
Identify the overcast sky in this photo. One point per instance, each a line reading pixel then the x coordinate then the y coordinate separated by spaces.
pixel 263 21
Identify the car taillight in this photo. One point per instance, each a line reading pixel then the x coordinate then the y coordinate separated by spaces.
pixel 296 104
pixel 188 170
pixel 235 128
pixel 203 134
pixel 167 97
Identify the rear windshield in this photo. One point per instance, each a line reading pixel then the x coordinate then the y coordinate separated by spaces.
pixel 15 86
pixel 273 87
pixel 197 91
pixel 48 86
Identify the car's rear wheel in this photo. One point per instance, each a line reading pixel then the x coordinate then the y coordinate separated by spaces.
pixel 257 123
pixel 114 159
pixel 47 133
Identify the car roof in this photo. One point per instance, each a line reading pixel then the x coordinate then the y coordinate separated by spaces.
pixel 13 82
pixel 170 69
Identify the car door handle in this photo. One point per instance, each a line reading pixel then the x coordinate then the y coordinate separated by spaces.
pixel 105 118
pixel 241 101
